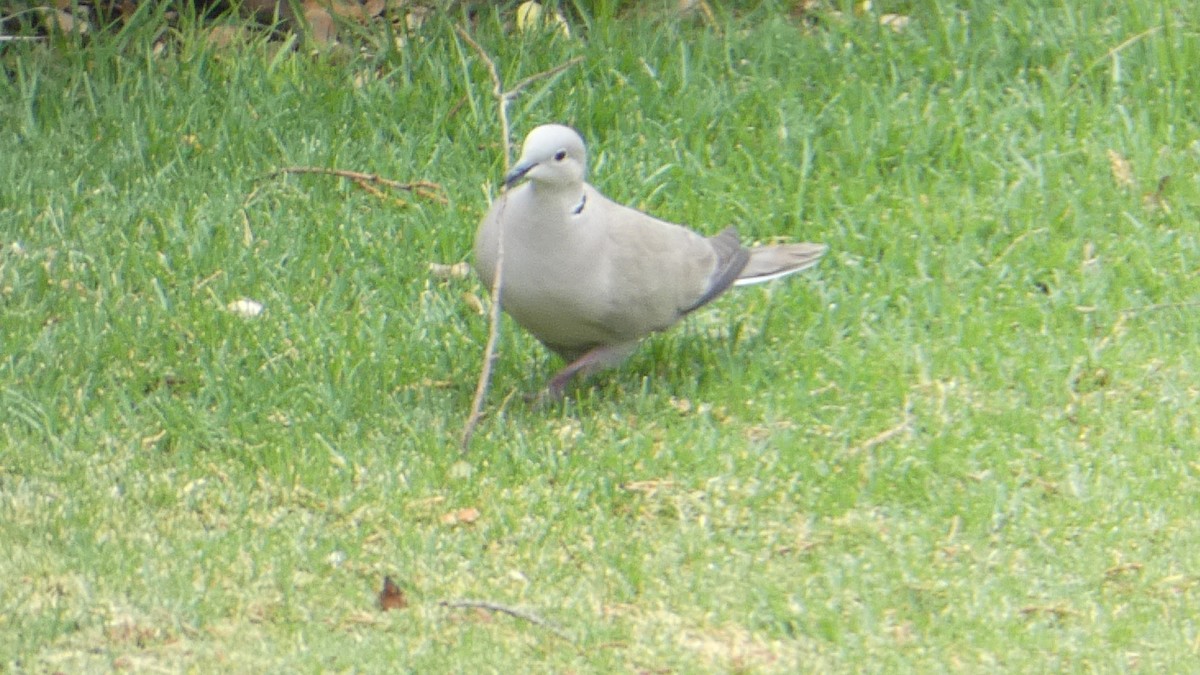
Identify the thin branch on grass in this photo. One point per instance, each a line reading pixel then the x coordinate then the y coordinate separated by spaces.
pixel 1118 326
pixel 489 350
pixel 516 89
pixel 421 188
pixel 882 437
pixel 503 98
pixel 1107 55
pixel 1129 311
pixel 366 181
pixel 885 435
pixel 1013 244
pixel 511 611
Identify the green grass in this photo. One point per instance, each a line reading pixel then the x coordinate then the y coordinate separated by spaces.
pixel 967 442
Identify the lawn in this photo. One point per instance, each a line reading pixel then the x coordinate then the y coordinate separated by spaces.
pixel 968 441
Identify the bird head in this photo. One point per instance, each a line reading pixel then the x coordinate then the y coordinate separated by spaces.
pixel 553 155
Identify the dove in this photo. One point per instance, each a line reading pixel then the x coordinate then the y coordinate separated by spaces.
pixel 589 277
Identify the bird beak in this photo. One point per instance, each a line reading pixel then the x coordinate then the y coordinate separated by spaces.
pixel 517 173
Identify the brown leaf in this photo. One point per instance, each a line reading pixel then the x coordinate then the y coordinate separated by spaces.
pixel 391 597
pixel 1157 200
pixel 373 8
pixel 461 516
pixel 324 30
pixel 1122 170
pixel 683 405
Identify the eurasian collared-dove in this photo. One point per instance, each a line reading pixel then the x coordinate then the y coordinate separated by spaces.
pixel 590 277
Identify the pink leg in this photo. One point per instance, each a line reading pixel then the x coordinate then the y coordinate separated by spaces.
pixel 595 360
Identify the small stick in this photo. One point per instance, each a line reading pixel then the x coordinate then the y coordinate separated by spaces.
pixel 1107 55
pixel 516 89
pixel 1160 306
pixel 421 188
pixel 489 350
pixel 885 435
pixel 497 92
pixel 881 437
pixel 511 611
pixel 1013 244
pixel 503 98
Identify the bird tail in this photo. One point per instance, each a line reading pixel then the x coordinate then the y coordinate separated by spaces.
pixel 772 262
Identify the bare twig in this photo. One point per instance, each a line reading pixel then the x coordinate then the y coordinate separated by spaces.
pixel 493 339
pixel 489 350
pixel 503 98
pixel 516 88
pixel 421 188
pixel 511 611
pixel 1129 311
pixel 1107 55
pixel 886 435
pixel 881 437
pixel 497 93
pixel 1013 244
pixel 457 106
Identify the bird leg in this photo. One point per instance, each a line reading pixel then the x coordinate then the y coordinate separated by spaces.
pixel 594 360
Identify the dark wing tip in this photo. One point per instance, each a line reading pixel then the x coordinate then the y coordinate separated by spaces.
pixel 731 260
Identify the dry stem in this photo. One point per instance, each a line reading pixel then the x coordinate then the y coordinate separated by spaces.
pixel 421 188
pixel 1107 55
pixel 503 98
pixel 505 609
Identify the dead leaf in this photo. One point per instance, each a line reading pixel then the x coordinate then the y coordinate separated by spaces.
pixel 897 22
pixel 63 21
pixel 1122 170
pixel 245 308
pixel 461 517
pixel 373 8
pixel 698 6
pixel 1123 569
pixel 1157 200
pixel 455 271
pixel 427 502
pixel 650 486
pixel 1057 612
pixel 531 16
pixel 364 77
pixel 682 405
pixel 320 22
pixel 391 597
pixel 149 441
pixel 473 302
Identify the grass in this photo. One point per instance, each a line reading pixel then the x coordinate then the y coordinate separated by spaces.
pixel 968 442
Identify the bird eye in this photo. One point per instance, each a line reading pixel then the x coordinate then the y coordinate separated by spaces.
pixel 560 155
